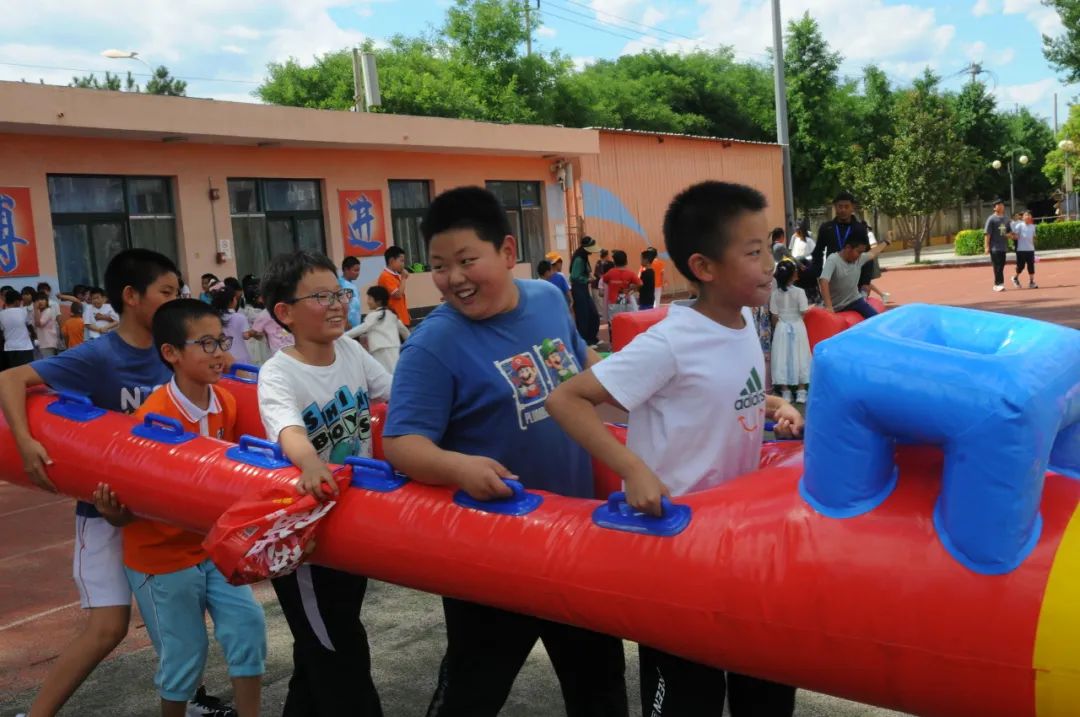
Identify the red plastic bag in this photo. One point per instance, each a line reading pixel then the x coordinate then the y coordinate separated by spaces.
pixel 267 533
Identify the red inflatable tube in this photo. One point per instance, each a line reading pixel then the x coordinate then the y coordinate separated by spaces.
pixel 870 608
pixel 820 324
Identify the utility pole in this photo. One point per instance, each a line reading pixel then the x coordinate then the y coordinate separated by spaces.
pixel 358 85
pixel 528 30
pixel 781 115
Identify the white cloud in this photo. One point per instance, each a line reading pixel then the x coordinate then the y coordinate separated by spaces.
pixel 545 31
pixel 1007 55
pixel 580 63
pixel 1029 94
pixel 653 16
pixel 981 7
pixel 619 8
pixel 976 51
pixel 196 38
pixel 1045 19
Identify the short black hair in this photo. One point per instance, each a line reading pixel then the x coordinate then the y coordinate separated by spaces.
pixel 467 208
pixel 44 286
pixel 543 267
pixel 349 262
pixel 28 290
pixel 79 288
pixel 777 233
pixel 380 294
pixel 285 273
pixel 393 252
pixel 137 268
pixel 696 220
pixel 96 290
pixel 41 296
pixel 170 323
pixel 619 257
pixel 858 240
pixel 844 197
pixel 76 308
pixel 12 297
pixel 209 276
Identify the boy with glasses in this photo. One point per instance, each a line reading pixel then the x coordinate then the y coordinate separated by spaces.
pixel 314 399
pixel 174 581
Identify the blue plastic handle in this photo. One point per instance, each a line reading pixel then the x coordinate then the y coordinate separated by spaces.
pixel 520 501
pixel 617 514
pixel 253 451
pixel 250 368
pixel 162 429
pixel 374 475
pixel 74 407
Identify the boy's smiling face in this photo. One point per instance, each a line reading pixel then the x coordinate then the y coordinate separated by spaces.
pixel 743 275
pixel 192 361
pixel 309 320
pixel 474 277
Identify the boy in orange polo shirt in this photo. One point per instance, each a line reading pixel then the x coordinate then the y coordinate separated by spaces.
pixel 393 279
pixel 173 579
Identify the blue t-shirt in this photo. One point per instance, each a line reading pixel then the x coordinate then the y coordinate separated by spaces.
pixel 478 387
pixel 560 281
pixel 115 375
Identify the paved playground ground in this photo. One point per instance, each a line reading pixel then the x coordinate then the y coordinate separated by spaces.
pixel 39 610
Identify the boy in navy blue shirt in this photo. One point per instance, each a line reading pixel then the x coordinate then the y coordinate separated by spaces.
pixel 118 372
pixel 468 410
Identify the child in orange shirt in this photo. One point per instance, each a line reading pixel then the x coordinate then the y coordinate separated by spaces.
pixel 74 329
pixel 393 279
pixel 173 579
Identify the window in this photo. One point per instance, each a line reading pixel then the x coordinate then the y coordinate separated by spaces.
pixel 274 216
pixel 521 200
pixel 409 200
pixel 94 218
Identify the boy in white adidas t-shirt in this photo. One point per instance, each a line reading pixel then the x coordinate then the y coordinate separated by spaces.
pixel 693 385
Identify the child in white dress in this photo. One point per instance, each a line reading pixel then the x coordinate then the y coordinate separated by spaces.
pixel 790 345
pixel 381 328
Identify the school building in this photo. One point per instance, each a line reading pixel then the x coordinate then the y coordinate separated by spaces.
pixel 221 186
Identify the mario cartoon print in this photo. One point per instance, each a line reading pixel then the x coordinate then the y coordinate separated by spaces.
pixel 523 374
pixel 558 361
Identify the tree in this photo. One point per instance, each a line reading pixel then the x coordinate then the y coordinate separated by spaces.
pixel 1056 159
pixel 1032 135
pixel 816 126
pixel 160 83
pixel 985 130
pixel 925 167
pixel 1063 52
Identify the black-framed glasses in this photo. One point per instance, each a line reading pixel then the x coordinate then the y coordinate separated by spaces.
pixel 210 343
pixel 328 298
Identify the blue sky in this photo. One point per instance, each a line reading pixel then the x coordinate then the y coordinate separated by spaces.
pixel 222 46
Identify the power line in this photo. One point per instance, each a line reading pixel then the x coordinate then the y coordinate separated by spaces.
pixel 623 22
pixel 599 28
pixel 133 74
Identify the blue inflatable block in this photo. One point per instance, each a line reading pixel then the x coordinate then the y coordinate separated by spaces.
pixel 1000 394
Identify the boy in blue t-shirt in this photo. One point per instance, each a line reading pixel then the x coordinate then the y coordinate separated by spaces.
pixel 468 411
pixel 118 372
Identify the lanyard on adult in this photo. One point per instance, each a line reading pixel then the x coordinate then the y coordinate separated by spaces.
pixel 841 240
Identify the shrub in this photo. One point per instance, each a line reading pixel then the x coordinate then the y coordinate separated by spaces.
pixel 968 242
pixel 1058 235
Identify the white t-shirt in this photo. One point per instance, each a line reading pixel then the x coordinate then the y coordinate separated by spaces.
pixel 16 334
pixel 382 328
pixel 91 322
pixel 1025 236
pixel 330 402
pixel 801 247
pixel 695 391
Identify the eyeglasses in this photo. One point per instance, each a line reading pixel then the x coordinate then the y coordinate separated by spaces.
pixel 327 298
pixel 209 343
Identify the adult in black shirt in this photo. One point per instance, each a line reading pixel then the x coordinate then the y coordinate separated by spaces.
pixel 834 234
pixel 647 292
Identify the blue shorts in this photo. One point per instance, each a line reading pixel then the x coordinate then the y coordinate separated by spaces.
pixel 174 607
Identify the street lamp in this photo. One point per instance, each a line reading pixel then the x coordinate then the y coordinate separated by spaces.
pixel 996 164
pixel 124 55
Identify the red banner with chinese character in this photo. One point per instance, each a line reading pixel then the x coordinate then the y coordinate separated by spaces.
pixel 363 225
pixel 18 246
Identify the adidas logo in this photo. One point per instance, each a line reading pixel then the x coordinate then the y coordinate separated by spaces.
pixel 753 393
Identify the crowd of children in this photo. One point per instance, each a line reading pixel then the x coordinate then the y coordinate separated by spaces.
pixel 499 381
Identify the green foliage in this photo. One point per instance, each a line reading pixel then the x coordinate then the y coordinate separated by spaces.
pixel 924 166
pixel 1056 159
pixel 1063 51
pixel 815 124
pixel 161 83
pixel 1057 235
pixel 968 242
pixel 985 130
